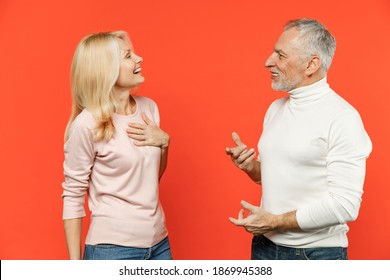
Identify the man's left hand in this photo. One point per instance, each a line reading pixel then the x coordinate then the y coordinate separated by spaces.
pixel 257 222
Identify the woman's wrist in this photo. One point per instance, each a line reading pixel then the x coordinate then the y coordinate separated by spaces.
pixel 165 142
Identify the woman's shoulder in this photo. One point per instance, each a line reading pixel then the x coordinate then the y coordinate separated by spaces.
pixel 146 103
pixel 84 120
pixel 144 100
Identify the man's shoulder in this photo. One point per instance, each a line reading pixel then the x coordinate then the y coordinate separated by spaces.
pixel 340 106
pixel 279 102
pixel 275 107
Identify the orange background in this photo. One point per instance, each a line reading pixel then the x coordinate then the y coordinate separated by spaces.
pixel 204 66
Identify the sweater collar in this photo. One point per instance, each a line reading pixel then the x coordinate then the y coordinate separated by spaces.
pixel 310 93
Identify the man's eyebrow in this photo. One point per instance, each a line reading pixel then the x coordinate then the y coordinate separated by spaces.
pixel 279 51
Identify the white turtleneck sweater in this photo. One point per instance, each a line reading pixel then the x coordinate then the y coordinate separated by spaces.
pixel 313 152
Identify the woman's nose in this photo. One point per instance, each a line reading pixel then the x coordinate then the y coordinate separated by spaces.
pixel 138 59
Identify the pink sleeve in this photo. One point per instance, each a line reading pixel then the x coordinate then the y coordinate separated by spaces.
pixel 156 114
pixel 79 158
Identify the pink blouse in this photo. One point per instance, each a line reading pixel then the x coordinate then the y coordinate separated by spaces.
pixel 121 181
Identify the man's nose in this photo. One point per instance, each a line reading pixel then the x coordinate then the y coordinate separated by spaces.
pixel 270 61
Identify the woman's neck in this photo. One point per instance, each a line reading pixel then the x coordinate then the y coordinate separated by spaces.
pixel 126 104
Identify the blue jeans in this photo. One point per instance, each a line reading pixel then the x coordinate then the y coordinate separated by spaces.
pixel 160 251
pixel 265 249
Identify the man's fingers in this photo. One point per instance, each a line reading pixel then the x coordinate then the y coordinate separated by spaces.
pixel 228 151
pixel 241 214
pixel 241 220
pixel 234 151
pixel 237 139
pixel 237 151
pixel 236 221
pixel 248 206
pixel 245 155
pixel 246 163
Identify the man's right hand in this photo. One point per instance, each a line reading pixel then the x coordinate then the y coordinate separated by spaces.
pixel 240 156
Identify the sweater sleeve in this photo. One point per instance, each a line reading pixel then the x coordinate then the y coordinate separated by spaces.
pixel 348 148
pixel 79 158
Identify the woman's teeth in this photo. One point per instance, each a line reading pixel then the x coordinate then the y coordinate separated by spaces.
pixel 136 71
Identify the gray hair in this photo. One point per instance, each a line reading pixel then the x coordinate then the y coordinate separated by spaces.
pixel 315 40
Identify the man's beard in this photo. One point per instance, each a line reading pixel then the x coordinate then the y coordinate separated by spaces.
pixel 286 86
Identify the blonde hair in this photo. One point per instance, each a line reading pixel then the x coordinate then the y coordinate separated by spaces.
pixel 94 72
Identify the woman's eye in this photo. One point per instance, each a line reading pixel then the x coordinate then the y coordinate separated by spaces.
pixel 128 55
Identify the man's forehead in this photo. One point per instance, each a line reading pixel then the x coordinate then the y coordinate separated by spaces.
pixel 289 35
pixel 287 40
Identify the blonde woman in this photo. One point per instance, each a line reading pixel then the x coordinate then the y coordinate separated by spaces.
pixel 115 153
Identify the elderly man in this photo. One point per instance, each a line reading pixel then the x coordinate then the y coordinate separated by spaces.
pixel 312 155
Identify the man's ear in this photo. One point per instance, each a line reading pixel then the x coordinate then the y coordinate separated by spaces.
pixel 313 65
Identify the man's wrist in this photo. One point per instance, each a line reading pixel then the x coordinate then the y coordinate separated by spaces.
pixel 286 222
